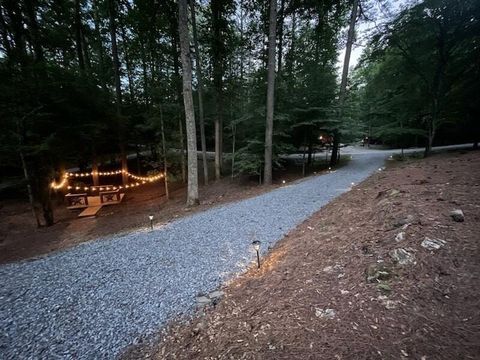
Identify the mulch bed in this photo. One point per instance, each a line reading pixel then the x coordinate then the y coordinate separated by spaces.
pixel 311 299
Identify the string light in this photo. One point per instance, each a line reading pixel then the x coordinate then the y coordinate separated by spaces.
pixel 140 180
pixel 60 185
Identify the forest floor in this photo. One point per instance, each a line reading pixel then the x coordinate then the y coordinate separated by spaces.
pixel 359 279
pixel 20 239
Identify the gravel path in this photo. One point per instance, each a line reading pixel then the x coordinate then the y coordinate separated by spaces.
pixel 99 297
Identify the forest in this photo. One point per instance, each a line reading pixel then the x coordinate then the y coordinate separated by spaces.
pixel 89 82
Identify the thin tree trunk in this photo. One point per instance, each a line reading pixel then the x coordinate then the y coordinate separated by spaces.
pixel 115 59
pixel 29 187
pixel 146 91
pixel 26 174
pixel 267 173
pixel 343 84
pixel 86 55
pixel 217 63
pixel 31 9
pixel 4 33
pixel 118 89
pixel 99 44
pixel 280 36
pixel 164 151
pixel 234 133
pixel 176 68
pixel 47 209
pixel 78 36
pixel 95 177
pixel 192 188
pixel 128 65
pixel 199 69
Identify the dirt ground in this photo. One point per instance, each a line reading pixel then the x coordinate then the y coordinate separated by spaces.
pixel 332 290
pixel 21 239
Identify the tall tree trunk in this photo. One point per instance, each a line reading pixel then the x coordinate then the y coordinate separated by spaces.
pixel 86 55
pixel 164 152
pixel 146 90
pixel 45 197
pixel 176 68
pixel 267 172
pixel 128 65
pixel 343 84
pixel 437 89
pixel 95 177
pixel 118 89
pixel 199 69
pixel 26 174
pixel 280 36
pixel 31 11
pixel 4 33
pixel 192 188
pixel 78 36
pixel 99 45
pixel 217 7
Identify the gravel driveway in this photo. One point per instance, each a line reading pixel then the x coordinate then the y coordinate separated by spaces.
pixel 99 297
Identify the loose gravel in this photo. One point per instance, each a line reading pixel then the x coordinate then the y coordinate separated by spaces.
pixel 92 301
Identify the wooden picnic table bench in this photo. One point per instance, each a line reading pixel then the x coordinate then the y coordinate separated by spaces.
pixel 77 201
pixel 110 196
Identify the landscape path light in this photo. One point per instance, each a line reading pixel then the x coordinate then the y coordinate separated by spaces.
pixel 256 246
pixel 150 217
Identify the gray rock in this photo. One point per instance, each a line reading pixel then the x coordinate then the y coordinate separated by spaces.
pixel 216 294
pixel 384 287
pixel 400 236
pixel 457 215
pixel 393 192
pixel 403 221
pixel 376 272
pixel 325 313
pixel 433 244
pixel 203 300
pixel 402 256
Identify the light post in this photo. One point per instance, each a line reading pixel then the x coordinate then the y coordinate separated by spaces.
pixel 151 221
pixel 256 246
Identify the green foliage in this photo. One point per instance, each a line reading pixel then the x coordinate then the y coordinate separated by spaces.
pixel 417 78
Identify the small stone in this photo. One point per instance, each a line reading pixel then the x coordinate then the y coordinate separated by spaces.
pixel 325 313
pixel 403 221
pixel 377 272
pixel 199 327
pixel 393 192
pixel 216 294
pixel 203 300
pixel 457 215
pixel 389 304
pixel 384 287
pixel 433 244
pixel 400 236
pixel 402 256
pixel 328 269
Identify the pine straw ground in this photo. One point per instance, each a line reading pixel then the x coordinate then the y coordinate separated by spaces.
pixel 430 312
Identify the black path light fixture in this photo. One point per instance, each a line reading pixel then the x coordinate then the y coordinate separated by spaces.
pixel 256 246
pixel 150 217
